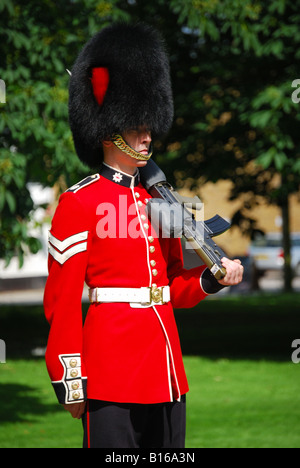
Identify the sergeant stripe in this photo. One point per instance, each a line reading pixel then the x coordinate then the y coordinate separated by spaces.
pixel 62 251
pixel 62 258
pixel 65 244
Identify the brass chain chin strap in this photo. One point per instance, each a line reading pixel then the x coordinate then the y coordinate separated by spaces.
pixel 122 145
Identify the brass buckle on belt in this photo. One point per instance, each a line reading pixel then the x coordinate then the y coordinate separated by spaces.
pixel 156 294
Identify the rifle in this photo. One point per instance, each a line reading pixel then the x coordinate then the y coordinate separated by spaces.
pixel 170 212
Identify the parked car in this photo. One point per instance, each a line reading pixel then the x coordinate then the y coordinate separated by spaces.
pixel 268 254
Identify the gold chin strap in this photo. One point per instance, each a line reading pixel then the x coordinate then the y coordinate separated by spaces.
pixel 123 146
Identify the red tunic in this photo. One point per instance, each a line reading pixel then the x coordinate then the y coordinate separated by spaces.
pixel 101 235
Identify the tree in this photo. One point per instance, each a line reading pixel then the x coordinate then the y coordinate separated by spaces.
pixel 39 40
pixel 236 102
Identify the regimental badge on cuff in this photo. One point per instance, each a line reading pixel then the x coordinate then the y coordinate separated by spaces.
pixel 72 387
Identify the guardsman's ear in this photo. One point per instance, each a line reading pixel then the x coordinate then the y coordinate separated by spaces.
pixel 107 143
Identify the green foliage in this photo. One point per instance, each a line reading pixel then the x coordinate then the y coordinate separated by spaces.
pixel 39 40
pixel 235 97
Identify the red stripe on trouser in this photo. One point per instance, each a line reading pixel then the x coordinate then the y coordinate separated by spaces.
pixel 88 425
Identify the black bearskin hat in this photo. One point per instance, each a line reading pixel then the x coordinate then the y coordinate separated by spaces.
pixel 120 80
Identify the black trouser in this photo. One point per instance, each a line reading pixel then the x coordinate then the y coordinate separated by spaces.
pixel 114 425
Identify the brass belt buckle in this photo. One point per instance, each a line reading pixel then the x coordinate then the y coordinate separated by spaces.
pixel 156 294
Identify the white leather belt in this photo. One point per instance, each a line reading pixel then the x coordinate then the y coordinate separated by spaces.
pixel 137 297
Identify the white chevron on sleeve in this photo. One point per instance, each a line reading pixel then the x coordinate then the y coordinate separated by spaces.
pixel 66 249
pixel 65 244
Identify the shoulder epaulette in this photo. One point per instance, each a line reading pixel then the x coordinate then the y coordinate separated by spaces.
pixel 84 183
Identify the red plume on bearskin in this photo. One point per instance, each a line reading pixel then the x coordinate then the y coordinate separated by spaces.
pixel 120 80
pixel 100 82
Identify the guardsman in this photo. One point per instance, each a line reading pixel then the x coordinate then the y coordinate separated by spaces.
pixel 122 370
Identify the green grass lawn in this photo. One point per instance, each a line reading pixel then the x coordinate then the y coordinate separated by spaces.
pixel 29 414
pixel 230 404
pixel 241 404
pixel 244 388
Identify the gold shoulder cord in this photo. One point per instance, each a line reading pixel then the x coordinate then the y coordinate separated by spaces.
pixel 123 146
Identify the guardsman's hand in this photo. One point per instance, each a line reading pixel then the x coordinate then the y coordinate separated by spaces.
pixel 76 409
pixel 235 272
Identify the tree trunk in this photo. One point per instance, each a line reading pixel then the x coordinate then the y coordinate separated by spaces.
pixel 286 235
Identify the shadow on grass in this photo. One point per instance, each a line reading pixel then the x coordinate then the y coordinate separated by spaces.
pixel 19 403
